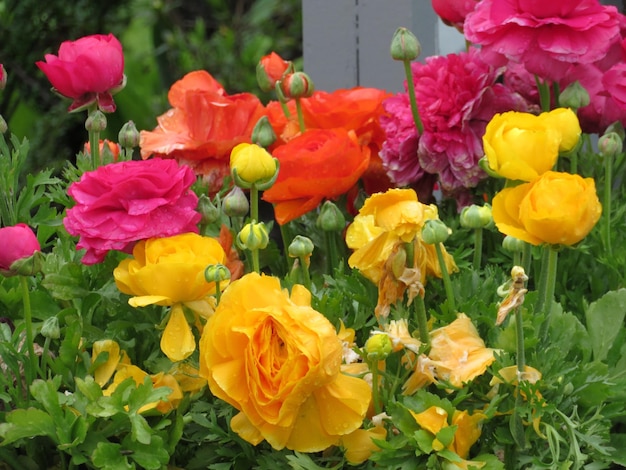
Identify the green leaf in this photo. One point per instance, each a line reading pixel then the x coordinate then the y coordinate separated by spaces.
pixel 446 435
pixel 605 318
pixel 618 442
pixel 108 456
pixel 89 388
pixel 151 456
pixel 27 423
pixel 141 431
pixel 45 392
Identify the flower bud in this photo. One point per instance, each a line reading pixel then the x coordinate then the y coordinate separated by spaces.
pixel 251 164
pixel 109 151
pixel 297 85
pixel 610 145
pixel 3 77
pixel 513 245
pixel 50 328
pixel 331 219
pixel 404 45
pixel 398 263
pixel 263 133
pixel 378 347
pixel 210 212
pixel 618 128
pixel 96 121
pixel 270 69
pixel 300 246
pixel 235 203
pixel 128 136
pixel 435 231
pixel 253 236
pixel 216 273
pixel 476 216
pixel 19 244
pixel 3 125
pixel 574 96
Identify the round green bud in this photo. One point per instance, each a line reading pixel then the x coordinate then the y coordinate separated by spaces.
pixel 263 133
pixel 128 136
pixel 378 347
pixel 210 212
pixel 475 216
pixel 331 219
pixel 300 246
pixel 50 328
pixel 513 245
pixel 297 85
pixel 216 273
pixel 404 45
pixel 574 96
pixel 435 231
pixel 610 145
pixel 253 236
pixel 235 203
pixel 96 121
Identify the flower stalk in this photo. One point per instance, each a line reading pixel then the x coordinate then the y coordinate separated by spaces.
pixel 30 371
pixel 547 286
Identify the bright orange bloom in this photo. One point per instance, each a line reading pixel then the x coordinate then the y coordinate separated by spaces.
pixel 203 126
pixel 273 67
pixel 113 147
pixel 316 165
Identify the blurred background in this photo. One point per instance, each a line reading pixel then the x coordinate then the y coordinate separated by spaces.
pixel 162 40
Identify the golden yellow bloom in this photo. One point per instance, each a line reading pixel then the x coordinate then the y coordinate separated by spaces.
pixel 278 361
pixel 158 380
pixel 359 445
pixel 522 146
pixel 557 208
pixel 252 163
pixel 177 340
pixel 105 371
pixel 435 418
pixel 397 211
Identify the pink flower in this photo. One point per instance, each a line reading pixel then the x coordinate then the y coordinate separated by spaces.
pixel 453 12
pixel 3 77
pixel 457 95
pixel 87 70
pixel 546 36
pixel 17 242
pixel 121 203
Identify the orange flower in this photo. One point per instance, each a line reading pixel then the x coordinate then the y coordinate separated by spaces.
pixel 270 69
pixel 316 165
pixel 112 147
pixel 203 126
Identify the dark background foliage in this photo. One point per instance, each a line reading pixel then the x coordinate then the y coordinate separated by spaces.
pixel 162 39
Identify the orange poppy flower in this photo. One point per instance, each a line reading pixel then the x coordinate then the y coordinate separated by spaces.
pixel 203 126
pixel 319 164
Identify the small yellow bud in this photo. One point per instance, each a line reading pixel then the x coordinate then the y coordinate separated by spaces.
pixel 253 236
pixel 378 347
pixel 251 164
pixel 216 273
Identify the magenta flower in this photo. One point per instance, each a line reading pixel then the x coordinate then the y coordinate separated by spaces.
pixel 545 36
pixel 17 242
pixel 457 96
pixel 87 70
pixel 121 203
pixel 453 12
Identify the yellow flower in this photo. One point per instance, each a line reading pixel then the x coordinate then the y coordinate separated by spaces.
pixel 522 146
pixel 177 340
pixel 158 380
pixel 435 418
pixel 557 208
pixel 359 445
pixel 166 271
pixel 252 163
pixel 397 211
pixel 278 361
pixel 105 371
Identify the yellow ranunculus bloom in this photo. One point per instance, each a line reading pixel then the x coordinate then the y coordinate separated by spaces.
pixel 557 208
pixel 359 445
pixel 278 361
pixel 117 357
pixel 522 146
pixel 435 418
pixel 166 271
pixel 252 162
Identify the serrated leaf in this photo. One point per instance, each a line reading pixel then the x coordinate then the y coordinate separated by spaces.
pixel 151 456
pixel 89 388
pixel 141 431
pixel 605 318
pixel 108 456
pixel 27 423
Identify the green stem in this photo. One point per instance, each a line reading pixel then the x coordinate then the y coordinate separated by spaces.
pixel 542 285
pixel 526 258
pixel 285 109
pixel 446 278
pixel 411 88
pixel 606 209
pixel 30 371
pixel 331 251
pixel 519 331
pixel 544 94
pixel 573 161
pixel 254 203
pixel 422 322
pixel 478 247
pixel 255 261
pixel 375 388
pixel 218 292
pixel 550 281
pixel 300 115
pixel 286 238
pixel 305 272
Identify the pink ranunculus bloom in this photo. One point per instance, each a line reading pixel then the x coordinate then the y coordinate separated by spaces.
pixel 121 203
pixel 545 36
pixel 3 77
pixel 17 242
pixel 453 12
pixel 87 70
pixel 457 96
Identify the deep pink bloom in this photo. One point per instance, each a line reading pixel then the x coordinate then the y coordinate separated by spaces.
pixel 17 242
pixel 87 70
pixel 457 96
pixel 453 12
pixel 121 203
pixel 545 36
pixel 3 77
